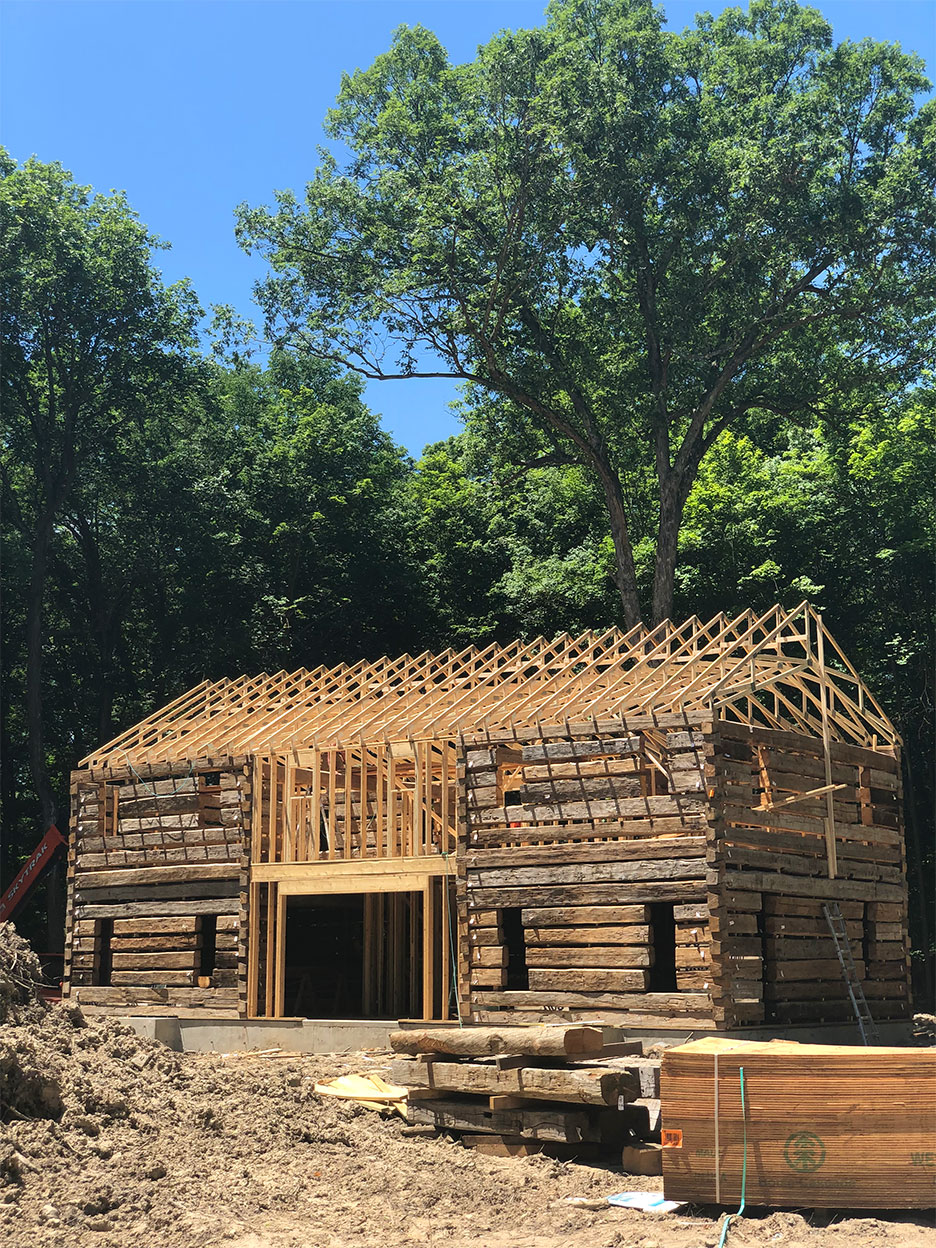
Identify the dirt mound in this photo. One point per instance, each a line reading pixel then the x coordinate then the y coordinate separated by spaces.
pixel 109 1139
pixel 20 979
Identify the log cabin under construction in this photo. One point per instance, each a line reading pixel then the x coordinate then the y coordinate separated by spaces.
pixel 640 828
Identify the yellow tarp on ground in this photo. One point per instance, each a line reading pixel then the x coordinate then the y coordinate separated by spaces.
pixel 368 1090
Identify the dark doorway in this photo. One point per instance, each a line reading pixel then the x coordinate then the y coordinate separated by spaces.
pixel 353 955
pixel 518 975
pixel 663 944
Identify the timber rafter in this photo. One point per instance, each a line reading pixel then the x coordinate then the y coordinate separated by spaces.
pixel 781 669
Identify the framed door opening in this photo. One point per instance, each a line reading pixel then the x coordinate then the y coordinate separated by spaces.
pixel 353 955
pixel 323 946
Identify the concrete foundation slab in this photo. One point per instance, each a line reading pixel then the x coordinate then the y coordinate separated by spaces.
pixel 339 1035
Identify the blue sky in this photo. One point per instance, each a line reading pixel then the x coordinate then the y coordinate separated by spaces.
pixel 192 106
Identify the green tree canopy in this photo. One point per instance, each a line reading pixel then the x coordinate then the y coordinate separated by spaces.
pixel 91 340
pixel 632 239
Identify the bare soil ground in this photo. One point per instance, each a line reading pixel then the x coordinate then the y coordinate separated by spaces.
pixel 114 1141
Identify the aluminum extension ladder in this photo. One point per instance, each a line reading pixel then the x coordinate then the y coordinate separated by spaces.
pixel 866 1024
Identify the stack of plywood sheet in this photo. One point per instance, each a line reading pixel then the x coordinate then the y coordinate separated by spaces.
pixel 528 1085
pixel 827 1126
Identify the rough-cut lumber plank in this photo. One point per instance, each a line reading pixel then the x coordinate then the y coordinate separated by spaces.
pixel 478 936
pixel 625 957
pixel 545 791
pixel 587 980
pixel 626 872
pixel 639 807
pixel 534 936
pixel 794 742
pixel 591 829
pixel 167 823
pixel 488 976
pixel 550 1041
pixel 167 804
pixel 167 996
pixel 158 909
pixel 485 918
pixel 562 750
pixel 158 875
pixel 179 979
pixel 605 851
pixel 597 767
pixel 178 784
pixel 543 1123
pixel 591 894
pixel 810 886
pixel 659 1003
pixel 153 926
pixel 224 852
pixel 170 942
pixel 573 916
pixel 596 1086
pixel 157 893
pixel 610 1017
pixel 175 960
pixel 489 955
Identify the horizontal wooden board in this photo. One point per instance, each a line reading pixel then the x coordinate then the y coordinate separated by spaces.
pixel 605 851
pixel 140 961
pixel 195 873
pixel 151 895
pixel 167 978
pixel 638 807
pixel 556 1040
pixel 543 1123
pixel 590 894
pixel 585 769
pixel 626 872
pixel 634 935
pixel 156 908
pixel 574 916
pixel 586 829
pixel 660 1004
pixel 153 926
pixel 623 956
pixel 804 886
pixel 587 979
pixel 169 942
pixel 560 751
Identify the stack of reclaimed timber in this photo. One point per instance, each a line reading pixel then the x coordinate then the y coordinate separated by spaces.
pixel 828 1126
pixel 529 1086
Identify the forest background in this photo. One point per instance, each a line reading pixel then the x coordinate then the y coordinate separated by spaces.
pixel 180 502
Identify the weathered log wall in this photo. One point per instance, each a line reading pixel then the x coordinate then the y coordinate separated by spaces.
pixel 569 843
pixel 775 959
pixel 157 887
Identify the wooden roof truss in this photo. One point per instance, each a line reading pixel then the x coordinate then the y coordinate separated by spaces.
pixel 781 670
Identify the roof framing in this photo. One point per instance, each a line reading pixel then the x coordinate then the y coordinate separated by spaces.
pixel 782 669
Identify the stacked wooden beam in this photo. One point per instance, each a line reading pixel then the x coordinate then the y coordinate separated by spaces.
pixel 529 1085
pixel 826 1126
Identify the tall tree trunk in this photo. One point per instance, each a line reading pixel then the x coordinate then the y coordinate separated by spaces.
pixel 38 765
pixel 625 573
pixel 674 490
